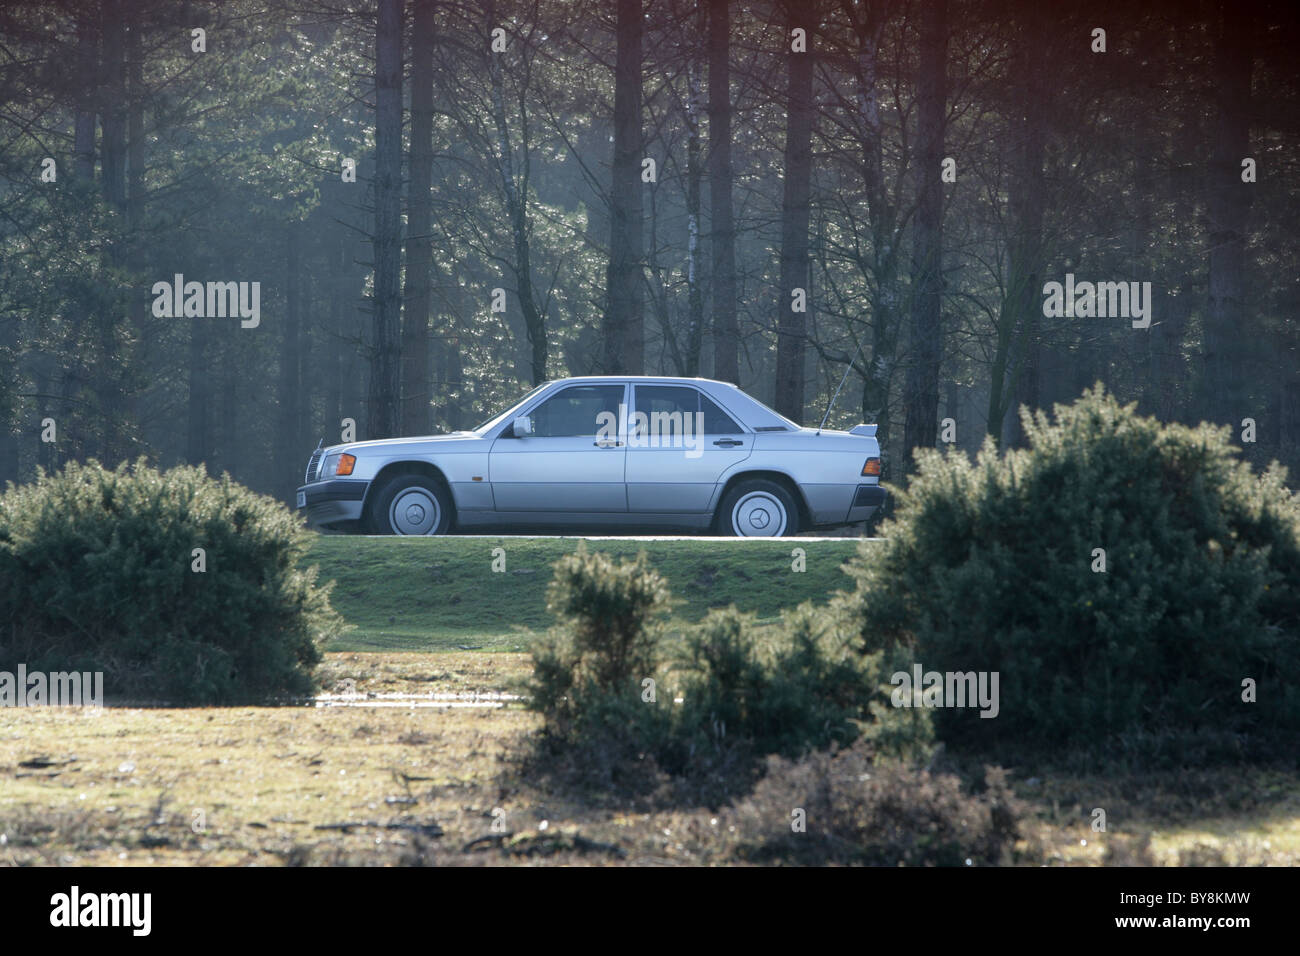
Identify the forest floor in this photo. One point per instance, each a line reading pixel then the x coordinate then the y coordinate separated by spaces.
pixel 381 779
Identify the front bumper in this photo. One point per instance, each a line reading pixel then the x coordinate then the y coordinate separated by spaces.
pixel 325 503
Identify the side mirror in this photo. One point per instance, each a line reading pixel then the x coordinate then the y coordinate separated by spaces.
pixel 522 427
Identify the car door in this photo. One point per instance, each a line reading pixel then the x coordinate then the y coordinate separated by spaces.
pixel 570 463
pixel 680 442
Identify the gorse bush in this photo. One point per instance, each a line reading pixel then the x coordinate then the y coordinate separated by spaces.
pixel 98 572
pixel 611 614
pixel 588 671
pixel 606 642
pixel 801 685
pixel 997 565
pixel 860 810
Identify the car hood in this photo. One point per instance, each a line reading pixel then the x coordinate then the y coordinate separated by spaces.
pixel 456 441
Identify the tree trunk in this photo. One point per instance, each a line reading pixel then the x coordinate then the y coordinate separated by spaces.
pixel 726 332
pixel 112 103
pixel 416 399
pixel 624 333
pixel 1181 191
pixel 47 453
pixel 75 372
pixel 1015 360
pixel 921 405
pixel 1289 395
pixel 791 324
pixel 335 369
pixel 228 443
pixel 384 390
pixel 1228 203
pixel 83 148
pixel 659 295
pixel 9 405
pixel 198 435
pixel 516 193
pixel 882 265
pixel 694 174
pixel 454 382
pixel 109 362
pixel 291 442
pixel 135 128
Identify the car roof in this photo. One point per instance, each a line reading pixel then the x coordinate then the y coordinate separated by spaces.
pixel 643 378
pixel 736 400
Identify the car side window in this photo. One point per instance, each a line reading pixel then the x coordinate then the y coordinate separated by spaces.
pixel 681 401
pixel 576 411
pixel 662 400
pixel 716 421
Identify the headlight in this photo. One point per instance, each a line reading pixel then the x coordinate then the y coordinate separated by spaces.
pixel 337 464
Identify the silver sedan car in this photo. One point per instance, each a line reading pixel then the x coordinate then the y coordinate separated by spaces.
pixel 604 453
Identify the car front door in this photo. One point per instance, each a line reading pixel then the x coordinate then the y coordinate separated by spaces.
pixel 680 442
pixel 572 462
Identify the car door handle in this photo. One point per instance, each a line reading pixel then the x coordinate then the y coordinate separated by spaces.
pixel 608 444
pixel 728 442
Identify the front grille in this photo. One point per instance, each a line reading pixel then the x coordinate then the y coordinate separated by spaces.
pixel 312 465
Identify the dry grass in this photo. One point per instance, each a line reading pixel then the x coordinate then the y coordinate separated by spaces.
pixel 127 786
pixel 389 785
pixel 1227 817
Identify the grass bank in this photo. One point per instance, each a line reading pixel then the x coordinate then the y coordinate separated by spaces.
pixel 440 594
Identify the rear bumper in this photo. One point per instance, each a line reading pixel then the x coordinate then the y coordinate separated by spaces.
pixel 843 503
pixel 332 502
pixel 866 501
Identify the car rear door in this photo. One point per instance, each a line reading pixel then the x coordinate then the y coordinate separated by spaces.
pixel 568 464
pixel 680 442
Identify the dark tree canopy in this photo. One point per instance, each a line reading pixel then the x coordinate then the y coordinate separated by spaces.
pixel 231 229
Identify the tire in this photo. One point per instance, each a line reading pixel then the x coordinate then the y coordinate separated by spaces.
pixel 758 509
pixel 410 504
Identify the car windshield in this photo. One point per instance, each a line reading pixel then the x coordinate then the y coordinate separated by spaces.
pixel 497 420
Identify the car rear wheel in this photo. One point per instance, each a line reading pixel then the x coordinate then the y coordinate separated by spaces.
pixel 758 509
pixel 410 504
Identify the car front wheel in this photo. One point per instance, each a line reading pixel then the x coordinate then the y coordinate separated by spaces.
pixel 410 504
pixel 758 509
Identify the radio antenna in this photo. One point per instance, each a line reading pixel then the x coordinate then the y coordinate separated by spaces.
pixel 831 403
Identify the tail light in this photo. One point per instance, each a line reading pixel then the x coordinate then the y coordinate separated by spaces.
pixel 871 468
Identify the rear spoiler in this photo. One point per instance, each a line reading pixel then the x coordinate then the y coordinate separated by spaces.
pixel 867 431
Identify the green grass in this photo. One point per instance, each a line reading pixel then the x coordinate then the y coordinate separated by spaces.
pixel 431 594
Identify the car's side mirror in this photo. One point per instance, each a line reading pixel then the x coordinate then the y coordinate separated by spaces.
pixel 522 427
